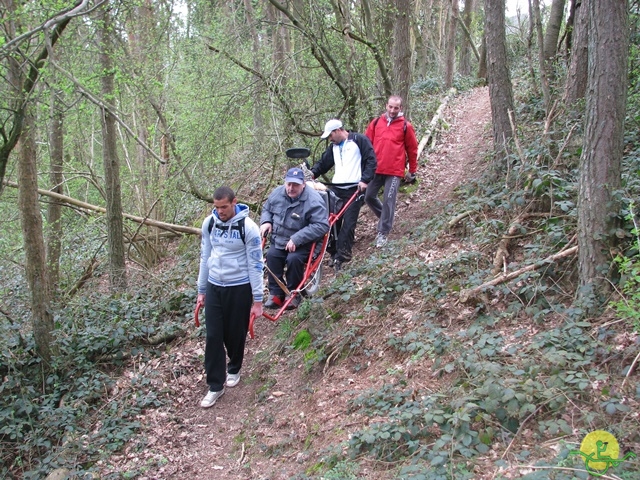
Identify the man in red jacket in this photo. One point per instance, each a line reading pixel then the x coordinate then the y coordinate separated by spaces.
pixel 394 141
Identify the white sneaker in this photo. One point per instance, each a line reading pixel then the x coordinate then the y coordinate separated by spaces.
pixel 233 379
pixel 381 240
pixel 211 398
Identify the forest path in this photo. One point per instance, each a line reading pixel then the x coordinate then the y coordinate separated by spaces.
pixel 279 421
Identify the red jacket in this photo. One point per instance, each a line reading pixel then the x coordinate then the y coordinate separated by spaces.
pixel 394 145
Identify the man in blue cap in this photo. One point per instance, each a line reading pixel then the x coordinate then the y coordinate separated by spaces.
pixel 295 216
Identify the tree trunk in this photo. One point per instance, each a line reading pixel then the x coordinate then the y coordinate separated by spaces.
pixel 402 51
pixel 500 88
pixel 599 173
pixel 571 23
pixel 465 45
pixel 54 208
pixel 451 44
pixel 530 54
pixel 579 56
pixel 423 43
pixel 482 65
pixel 35 258
pixel 258 106
pixel 552 32
pixel 149 174
pixel 544 79
pixel 117 272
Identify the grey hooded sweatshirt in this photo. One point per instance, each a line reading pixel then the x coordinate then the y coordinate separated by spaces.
pixel 225 259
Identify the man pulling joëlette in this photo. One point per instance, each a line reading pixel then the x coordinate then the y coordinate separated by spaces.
pixel 230 287
pixel 354 160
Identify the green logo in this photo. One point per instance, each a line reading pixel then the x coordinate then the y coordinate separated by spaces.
pixel 600 451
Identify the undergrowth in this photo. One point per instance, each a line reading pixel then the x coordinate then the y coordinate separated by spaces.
pixel 521 374
pixel 517 376
pixel 76 412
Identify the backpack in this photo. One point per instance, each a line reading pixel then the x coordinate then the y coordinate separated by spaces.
pixel 237 226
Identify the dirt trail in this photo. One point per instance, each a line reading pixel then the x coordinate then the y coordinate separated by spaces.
pixel 278 421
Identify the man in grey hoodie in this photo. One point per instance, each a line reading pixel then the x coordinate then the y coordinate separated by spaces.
pixel 230 287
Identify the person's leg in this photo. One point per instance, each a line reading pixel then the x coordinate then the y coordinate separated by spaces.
pixel 371 194
pixel 391 186
pixel 296 263
pixel 237 309
pixel 347 233
pixel 276 259
pixel 332 247
pixel 214 355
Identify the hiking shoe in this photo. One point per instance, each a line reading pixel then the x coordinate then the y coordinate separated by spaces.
pixel 233 379
pixel 337 266
pixel 211 398
pixel 381 240
pixel 275 301
pixel 294 303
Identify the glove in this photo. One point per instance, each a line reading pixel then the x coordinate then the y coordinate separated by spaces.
pixel 409 177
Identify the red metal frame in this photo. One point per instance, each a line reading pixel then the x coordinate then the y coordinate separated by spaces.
pixel 312 265
pixel 311 268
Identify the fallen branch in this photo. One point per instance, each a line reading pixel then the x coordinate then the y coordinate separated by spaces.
pixel 455 220
pixel 87 206
pixel 88 273
pixel 151 238
pixel 466 295
pixel 630 371
pixel 502 253
pixel 437 118
pixel 468 35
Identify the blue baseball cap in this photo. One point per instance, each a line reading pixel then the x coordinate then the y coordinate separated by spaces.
pixel 294 175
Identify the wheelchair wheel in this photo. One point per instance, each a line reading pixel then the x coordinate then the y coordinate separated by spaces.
pixel 314 283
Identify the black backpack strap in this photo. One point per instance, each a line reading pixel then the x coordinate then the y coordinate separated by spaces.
pixel 238 226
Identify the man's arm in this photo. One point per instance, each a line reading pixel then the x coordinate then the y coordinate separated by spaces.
pixel 371 130
pixel 324 164
pixel 266 218
pixel 205 253
pixel 411 147
pixel 255 262
pixel 369 161
pixel 317 220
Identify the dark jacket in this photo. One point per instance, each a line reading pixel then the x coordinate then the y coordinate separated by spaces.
pixel 303 220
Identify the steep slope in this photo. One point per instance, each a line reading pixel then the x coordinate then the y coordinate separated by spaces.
pixel 281 418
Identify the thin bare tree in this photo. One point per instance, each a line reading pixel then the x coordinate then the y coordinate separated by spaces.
pixel 117 269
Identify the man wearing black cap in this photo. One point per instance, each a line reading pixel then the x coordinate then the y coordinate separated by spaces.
pixel 355 162
pixel 295 216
